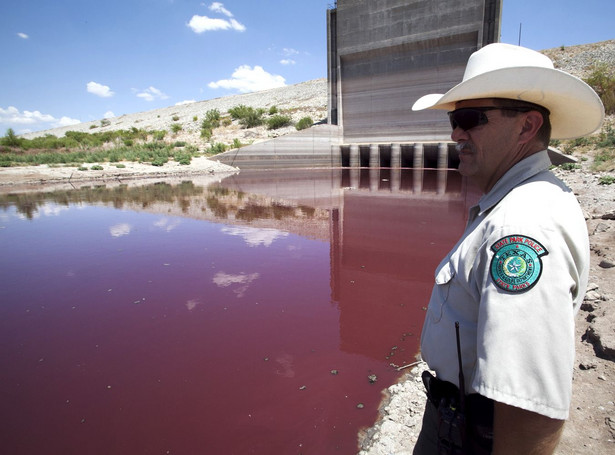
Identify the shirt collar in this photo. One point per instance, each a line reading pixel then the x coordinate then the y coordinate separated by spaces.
pixel 523 170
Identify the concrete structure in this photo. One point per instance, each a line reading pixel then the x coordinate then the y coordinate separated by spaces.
pixel 382 56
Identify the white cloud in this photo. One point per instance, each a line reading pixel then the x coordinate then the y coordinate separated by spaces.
pixel 13 117
pixel 109 114
pixel 200 24
pixel 151 94
pixel 287 61
pixel 23 35
pixel 99 90
pixel 181 103
pixel 67 121
pixel 219 8
pixel 247 79
pixel 288 51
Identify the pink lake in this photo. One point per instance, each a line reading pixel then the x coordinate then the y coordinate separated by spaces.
pixel 244 316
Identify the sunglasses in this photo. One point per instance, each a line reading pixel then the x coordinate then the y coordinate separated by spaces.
pixel 467 118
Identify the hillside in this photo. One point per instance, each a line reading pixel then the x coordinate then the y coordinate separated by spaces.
pixel 297 101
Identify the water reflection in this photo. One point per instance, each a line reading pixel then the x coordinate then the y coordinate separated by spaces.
pixel 209 319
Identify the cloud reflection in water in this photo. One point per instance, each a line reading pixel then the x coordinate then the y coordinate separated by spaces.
pixel 255 236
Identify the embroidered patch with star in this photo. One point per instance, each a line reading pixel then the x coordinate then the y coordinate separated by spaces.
pixel 516 265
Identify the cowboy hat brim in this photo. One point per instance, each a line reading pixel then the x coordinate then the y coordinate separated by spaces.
pixel 576 110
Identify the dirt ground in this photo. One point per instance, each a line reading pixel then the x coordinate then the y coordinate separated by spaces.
pixel 591 427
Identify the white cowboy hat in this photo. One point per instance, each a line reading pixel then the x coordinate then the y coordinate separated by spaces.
pixel 506 71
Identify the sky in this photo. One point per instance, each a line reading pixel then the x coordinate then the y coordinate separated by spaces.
pixel 70 61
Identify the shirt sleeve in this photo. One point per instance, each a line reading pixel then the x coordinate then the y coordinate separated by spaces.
pixel 525 331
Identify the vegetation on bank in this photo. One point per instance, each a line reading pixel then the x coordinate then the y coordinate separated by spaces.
pixel 137 144
pixel 155 146
pixel 156 153
pixel 601 146
pixel 602 80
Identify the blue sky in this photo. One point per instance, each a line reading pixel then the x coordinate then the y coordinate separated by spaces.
pixel 67 61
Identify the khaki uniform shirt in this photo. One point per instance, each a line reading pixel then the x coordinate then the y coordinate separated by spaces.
pixel 514 281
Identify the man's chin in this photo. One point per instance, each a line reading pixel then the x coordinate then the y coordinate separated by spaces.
pixel 464 168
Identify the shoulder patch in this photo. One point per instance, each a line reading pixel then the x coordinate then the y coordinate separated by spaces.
pixel 516 265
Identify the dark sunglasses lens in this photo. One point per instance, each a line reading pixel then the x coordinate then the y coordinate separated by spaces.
pixel 466 119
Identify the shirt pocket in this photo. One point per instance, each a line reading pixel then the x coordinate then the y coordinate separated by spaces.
pixel 443 279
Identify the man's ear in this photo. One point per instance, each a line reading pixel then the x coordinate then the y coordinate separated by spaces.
pixel 531 125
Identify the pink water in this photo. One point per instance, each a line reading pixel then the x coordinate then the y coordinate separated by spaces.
pixel 158 320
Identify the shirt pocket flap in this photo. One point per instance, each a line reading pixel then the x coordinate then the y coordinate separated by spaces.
pixel 445 273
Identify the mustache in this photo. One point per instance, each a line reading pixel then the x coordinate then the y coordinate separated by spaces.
pixel 461 146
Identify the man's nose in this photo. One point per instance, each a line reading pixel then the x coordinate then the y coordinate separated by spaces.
pixel 459 134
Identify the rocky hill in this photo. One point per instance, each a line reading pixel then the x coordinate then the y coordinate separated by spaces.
pixel 306 99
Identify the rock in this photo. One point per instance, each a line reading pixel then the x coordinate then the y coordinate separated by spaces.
pixel 606 264
pixel 593 295
pixel 601 227
pixel 601 335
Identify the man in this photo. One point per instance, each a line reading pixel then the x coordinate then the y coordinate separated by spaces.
pixel 515 280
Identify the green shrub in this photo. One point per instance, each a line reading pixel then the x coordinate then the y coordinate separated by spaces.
pixel 273 110
pixel 10 139
pixel 570 166
pixel 176 128
pixel 195 118
pixel 183 158
pixel 239 111
pixel 606 180
pixel 604 158
pixel 304 123
pixel 607 137
pixel 159 135
pixel 105 122
pixel 213 117
pixel 179 144
pixel 216 148
pixel 160 161
pixel 252 119
pixel 237 143
pixel 120 166
pixel 175 118
pixel 97 167
pixel 206 132
pixel 602 80
pixel 248 116
pixel 278 121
